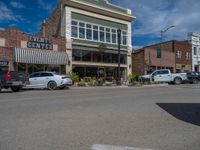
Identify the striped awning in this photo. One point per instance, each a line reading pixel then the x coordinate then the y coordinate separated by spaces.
pixel 34 56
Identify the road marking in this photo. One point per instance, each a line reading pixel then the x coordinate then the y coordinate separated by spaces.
pixel 112 147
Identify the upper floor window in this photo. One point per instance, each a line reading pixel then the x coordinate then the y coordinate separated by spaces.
pixel 102 34
pixel 114 36
pixel 81 30
pixel 108 35
pixel 195 50
pixel 95 33
pixel 188 55
pixel 74 29
pixel 178 54
pixel 88 31
pixel 124 38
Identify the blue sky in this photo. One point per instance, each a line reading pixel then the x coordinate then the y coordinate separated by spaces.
pixel 152 17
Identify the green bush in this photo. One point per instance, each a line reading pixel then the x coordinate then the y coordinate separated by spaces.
pixel 132 78
pixel 87 79
pixel 82 83
pixel 74 76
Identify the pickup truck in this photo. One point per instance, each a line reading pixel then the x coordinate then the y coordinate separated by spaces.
pixel 165 75
pixel 13 79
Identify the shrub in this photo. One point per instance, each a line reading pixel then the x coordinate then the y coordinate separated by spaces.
pixel 81 83
pixel 74 76
pixel 87 79
pixel 132 78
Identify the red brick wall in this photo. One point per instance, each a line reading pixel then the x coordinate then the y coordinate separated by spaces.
pixel 14 37
pixel 138 65
pixel 167 59
pixel 6 53
pixel 184 47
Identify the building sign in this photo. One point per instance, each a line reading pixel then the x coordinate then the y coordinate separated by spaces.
pixel 3 63
pixel 39 43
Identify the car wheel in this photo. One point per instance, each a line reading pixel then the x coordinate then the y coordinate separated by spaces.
pixel 177 81
pixel 52 85
pixel 195 81
pixel 16 88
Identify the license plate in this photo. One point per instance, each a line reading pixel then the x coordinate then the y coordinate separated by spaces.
pixel 17 83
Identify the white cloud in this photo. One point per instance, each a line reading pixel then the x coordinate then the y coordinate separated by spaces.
pixel 5 13
pixel 44 5
pixel 155 15
pixel 17 4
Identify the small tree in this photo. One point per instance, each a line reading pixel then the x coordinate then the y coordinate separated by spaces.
pixel 74 76
pixel 132 78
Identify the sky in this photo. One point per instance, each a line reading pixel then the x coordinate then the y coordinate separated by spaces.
pixel 152 17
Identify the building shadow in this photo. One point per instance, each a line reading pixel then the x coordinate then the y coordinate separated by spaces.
pixel 188 112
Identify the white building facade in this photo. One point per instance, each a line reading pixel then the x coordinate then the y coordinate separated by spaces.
pixel 194 39
pixel 90 28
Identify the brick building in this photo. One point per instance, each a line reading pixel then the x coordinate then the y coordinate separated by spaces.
pixel 24 52
pixel 173 55
pixel 146 59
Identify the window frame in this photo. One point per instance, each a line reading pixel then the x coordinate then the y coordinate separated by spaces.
pixel 106 40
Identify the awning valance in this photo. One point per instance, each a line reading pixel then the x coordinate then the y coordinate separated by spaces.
pixel 34 56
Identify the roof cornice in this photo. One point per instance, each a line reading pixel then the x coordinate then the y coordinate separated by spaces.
pixel 98 9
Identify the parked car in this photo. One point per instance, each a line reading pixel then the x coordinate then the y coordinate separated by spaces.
pixel 13 79
pixel 165 75
pixel 49 80
pixel 193 77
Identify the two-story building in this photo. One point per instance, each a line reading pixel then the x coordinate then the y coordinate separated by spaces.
pixel 91 29
pixel 173 55
pixel 20 51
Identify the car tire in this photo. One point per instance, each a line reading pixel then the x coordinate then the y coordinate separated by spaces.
pixel 51 85
pixel 16 88
pixel 177 81
pixel 195 81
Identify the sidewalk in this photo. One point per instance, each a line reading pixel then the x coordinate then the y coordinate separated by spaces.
pixel 121 86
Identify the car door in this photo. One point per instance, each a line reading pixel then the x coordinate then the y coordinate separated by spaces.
pixel 45 77
pixel 34 79
pixel 163 76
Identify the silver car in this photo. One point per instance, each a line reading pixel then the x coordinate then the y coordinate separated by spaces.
pixel 49 80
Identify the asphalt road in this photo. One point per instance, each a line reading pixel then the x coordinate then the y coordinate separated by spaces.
pixel 160 118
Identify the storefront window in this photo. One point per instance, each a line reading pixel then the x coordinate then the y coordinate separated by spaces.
pixel 107 58
pixel 77 55
pixel 97 57
pixel 86 56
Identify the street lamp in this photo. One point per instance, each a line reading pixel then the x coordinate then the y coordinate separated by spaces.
pixel 119 46
pixel 161 33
